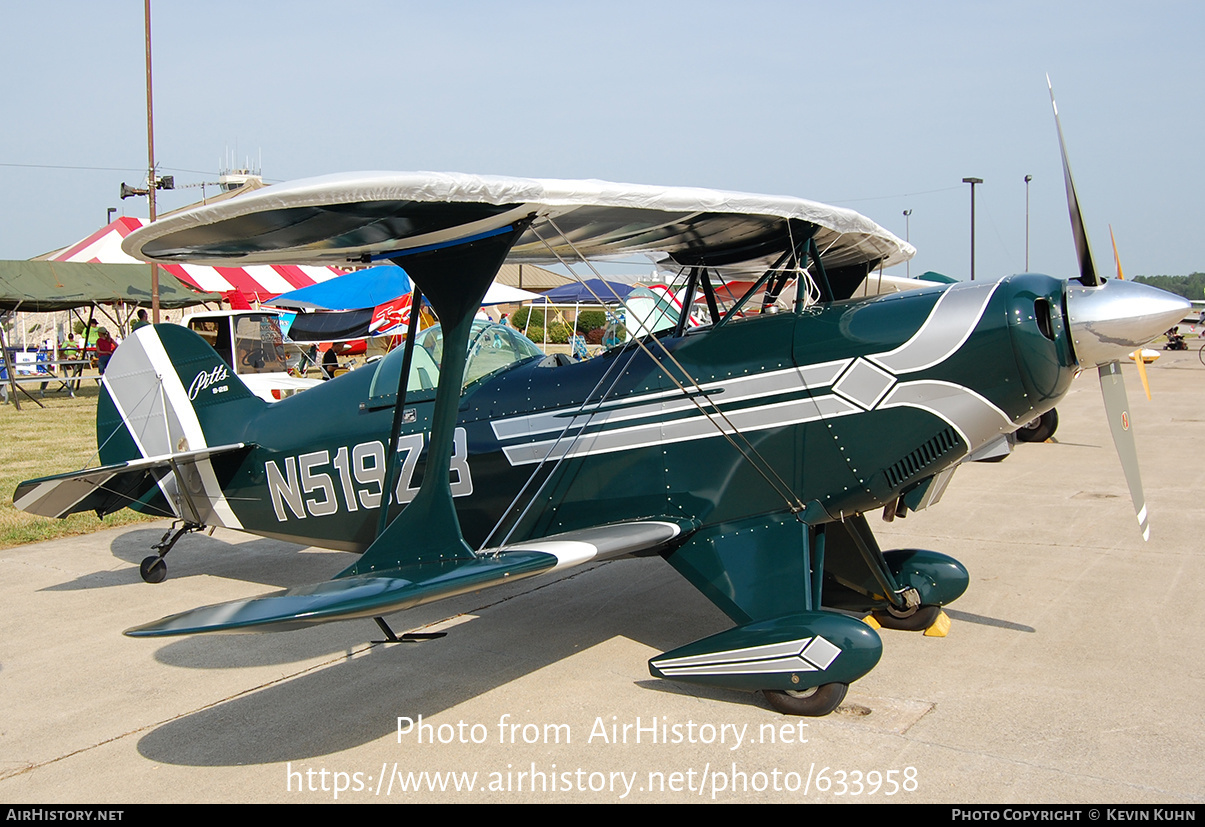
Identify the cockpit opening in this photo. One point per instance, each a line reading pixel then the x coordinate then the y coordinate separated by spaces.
pixel 492 348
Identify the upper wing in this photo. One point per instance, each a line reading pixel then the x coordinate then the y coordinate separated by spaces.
pixel 111 487
pixel 362 215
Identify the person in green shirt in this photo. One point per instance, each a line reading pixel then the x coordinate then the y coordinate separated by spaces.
pixel 69 351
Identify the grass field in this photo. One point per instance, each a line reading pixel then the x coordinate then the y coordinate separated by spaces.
pixel 38 442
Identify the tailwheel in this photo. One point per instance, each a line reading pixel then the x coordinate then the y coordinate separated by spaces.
pixel 810 703
pixel 153 569
pixel 915 619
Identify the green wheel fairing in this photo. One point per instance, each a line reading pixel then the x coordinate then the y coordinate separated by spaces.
pixel 848 585
pixel 790 653
pixel 938 578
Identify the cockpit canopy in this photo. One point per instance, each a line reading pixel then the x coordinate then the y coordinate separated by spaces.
pixel 492 347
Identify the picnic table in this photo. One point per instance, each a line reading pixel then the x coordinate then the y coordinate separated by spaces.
pixel 44 372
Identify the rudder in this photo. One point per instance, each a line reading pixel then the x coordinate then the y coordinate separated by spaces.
pixel 166 391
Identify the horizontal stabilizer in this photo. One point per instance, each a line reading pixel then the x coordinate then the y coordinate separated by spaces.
pixel 392 590
pixel 108 488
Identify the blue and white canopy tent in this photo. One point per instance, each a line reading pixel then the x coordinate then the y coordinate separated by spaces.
pixel 342 308
pixel 357 305
pixel 588 292
pixel 353 291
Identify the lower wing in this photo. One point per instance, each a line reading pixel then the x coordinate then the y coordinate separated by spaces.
pixel 391 590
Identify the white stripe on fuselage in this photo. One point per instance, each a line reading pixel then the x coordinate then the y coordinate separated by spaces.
pixel 661 403
pixel 745 420
pixel 945 330
pixel 950 322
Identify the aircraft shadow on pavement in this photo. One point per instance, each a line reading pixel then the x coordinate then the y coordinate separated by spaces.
pixel 503 635
pixel 357 700
pixel 272 563
pixel 983 620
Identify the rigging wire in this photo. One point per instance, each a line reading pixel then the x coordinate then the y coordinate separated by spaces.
pixel 775 481
pixel 570 425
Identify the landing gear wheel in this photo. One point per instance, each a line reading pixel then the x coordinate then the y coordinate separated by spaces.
pixel 811 703
pixel 1040 429
pixel 153 569
pixel 917 619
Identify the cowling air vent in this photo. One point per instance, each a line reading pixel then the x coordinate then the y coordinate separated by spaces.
pixel 920 459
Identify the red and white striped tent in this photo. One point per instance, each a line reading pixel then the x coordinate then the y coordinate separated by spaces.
pixel 258 282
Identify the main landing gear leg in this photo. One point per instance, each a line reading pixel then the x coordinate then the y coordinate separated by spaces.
pixel 904 589
pixel 153 568
pixel 799 655
pixel 816 701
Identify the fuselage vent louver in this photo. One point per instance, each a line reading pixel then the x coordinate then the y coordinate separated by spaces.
pixel 922 458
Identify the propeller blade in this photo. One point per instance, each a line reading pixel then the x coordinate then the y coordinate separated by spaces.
pixel 1087 270
pixel 1107 320
pixel 1138 360
pixel 1117 406
pixel 1136 355
pixel 1116 257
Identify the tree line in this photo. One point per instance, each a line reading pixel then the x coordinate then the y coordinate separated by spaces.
pixel 1191 286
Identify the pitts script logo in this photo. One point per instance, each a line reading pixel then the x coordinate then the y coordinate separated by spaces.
pixel 206 378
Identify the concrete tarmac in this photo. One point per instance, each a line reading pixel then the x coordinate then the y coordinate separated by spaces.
pixel 1074 671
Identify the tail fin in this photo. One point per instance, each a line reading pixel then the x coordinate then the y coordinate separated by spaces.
pixel 166 391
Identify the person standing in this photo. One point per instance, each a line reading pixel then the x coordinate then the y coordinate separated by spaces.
pixel 142 322
pixel 104 350
pixel 45 365
pixel 69 351
pixel 330 363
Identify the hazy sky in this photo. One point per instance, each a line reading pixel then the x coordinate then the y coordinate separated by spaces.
pixel 879 107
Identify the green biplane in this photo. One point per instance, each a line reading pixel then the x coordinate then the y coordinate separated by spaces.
pixel 745 451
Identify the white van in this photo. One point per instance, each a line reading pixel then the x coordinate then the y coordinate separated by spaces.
pixel 250 341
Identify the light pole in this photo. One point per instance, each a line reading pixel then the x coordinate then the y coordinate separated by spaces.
pixel 972 182
pixel 908 235
pixel 1028 178
pixel 151 180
